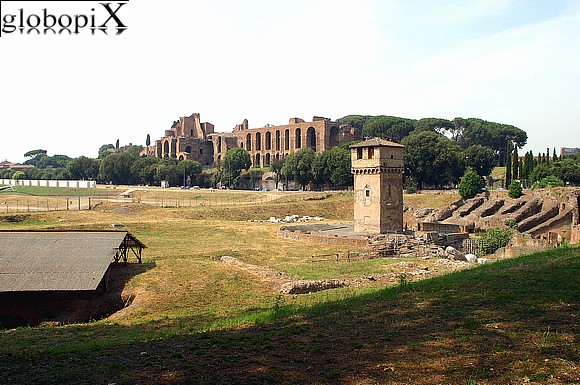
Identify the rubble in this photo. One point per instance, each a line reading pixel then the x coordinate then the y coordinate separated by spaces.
pixel 290 219
pixel 305 287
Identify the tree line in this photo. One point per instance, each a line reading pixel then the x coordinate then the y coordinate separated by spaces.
pixel 437 154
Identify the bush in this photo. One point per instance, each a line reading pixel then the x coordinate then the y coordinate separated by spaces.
pixel 511 223
pixel 493 239
pixel 515 189
pixel 470 185
pixel 411 186
pixel 549 181
pixel 18 175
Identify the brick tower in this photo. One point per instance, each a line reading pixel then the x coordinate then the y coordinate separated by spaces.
pixel 378 166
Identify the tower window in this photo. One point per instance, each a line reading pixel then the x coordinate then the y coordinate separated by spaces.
pixel 359 152
pixel 371 152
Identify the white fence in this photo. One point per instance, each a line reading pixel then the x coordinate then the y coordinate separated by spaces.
pixel 50 183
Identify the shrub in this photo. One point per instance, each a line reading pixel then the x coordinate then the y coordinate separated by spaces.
pixel 515 189
pixel 411 186
pixel 18 175
pixel 549 181
pixel 470 185
pixel 492 239
pixel 511 223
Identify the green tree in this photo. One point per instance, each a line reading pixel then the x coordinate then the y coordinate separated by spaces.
pixel 493 135
pixel 333 167
pixel 83 168
pixel 411 186
pixel 166 170
pixel 116 168
pixel 437 125
pixel 508 163
pixel 388 127
pixel 515 189
pixel 471 184
pixel 117 144
pixel 144 170
pixel 34 153
pixel 190 171
pixel 480 158
pixel 567 169
pixel 233 162
pixel 276 167
pixel 148 140
pixel 298 166
pixel 549 181
pixel 516 164
pixel 528 165
pixel 356 121
pixel 104 150
pixel 18 175
pixel 433 159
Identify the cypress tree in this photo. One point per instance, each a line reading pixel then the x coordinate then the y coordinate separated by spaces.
pixel 508 164
pixel 516 161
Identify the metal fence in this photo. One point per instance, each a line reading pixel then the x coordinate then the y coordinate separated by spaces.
pixel 10 203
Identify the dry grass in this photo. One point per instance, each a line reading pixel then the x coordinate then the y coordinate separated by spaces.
pixel 516 317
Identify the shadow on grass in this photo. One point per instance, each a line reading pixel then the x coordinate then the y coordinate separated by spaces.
pixel 499 323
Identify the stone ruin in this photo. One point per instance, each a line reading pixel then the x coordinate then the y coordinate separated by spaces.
pixel 548 215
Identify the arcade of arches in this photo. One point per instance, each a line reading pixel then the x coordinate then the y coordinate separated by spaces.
pixel 188 138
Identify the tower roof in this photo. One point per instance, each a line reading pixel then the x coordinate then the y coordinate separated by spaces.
pixel 376 142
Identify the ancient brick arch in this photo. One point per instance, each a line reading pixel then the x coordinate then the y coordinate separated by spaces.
pixel 249 142
pixel 258 141
pixel 334 137
pixel 298 138
pixel 277 140
pixel 166 149
pixel 311 138
pixel 190 139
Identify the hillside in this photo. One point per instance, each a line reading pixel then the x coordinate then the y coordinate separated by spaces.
pixel 194 319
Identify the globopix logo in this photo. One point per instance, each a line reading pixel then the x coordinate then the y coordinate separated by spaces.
pixel 87 17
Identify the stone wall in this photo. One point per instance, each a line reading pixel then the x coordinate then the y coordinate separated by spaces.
pixel 188 138
pixel 49 183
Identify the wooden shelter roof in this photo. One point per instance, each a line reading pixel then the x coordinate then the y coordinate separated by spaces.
pixel 60 260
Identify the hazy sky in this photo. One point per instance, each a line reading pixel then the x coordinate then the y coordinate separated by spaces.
pixel 508 61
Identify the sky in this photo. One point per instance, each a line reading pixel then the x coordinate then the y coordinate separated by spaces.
pixel 508 61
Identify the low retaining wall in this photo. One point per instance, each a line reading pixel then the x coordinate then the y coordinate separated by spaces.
pixel 49 183
pixel 323 238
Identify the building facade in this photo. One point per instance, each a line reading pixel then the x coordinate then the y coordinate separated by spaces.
pixel 188 138
pixel 378 167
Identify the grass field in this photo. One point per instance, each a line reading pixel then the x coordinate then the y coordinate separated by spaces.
pixel 196 320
